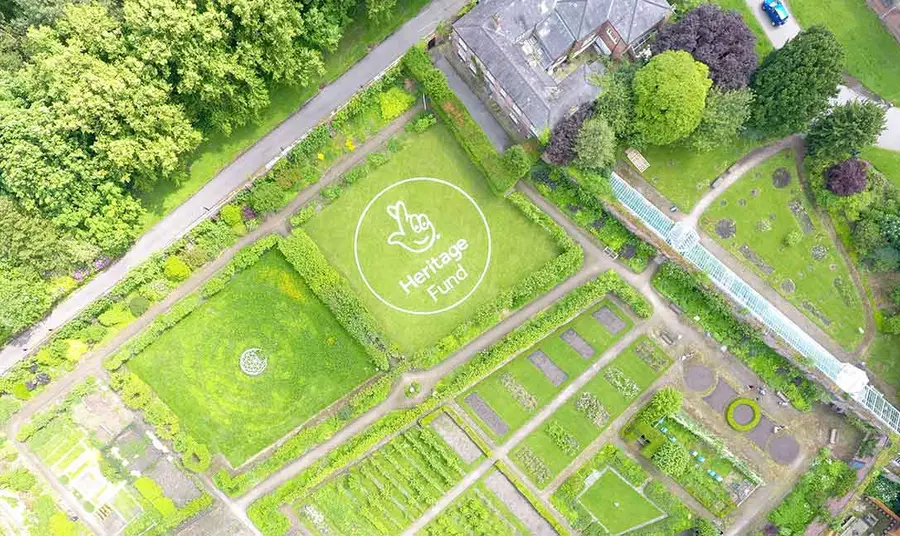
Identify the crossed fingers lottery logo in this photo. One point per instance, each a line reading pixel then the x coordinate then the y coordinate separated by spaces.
pixel 422 246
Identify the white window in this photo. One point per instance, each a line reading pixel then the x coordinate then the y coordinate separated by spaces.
pixel 513 117
pixel 612 35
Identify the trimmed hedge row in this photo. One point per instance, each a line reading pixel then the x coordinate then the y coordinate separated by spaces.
pixel 452 110
pixel 336 293
pixel 264 512
pixel 698 300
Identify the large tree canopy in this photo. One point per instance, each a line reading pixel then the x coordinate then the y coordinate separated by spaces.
pixel 716 37
pixel 845 130
pixel 596 145
pixel 670 95
pixel 794 83
pixel 723 118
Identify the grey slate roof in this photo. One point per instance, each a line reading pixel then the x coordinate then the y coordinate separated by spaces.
pixel 517 40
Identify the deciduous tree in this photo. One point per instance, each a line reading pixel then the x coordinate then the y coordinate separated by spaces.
pixel 671 458
pixel 794 83
pixel 595 147
pixel 723 118
pixel 847 177
pixel 670 95
pixel 561 149
pixel 845 130
pixel 716 37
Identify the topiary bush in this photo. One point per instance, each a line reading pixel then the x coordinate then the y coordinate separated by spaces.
pixel 737 402
pixel 175 269
pixel 231 215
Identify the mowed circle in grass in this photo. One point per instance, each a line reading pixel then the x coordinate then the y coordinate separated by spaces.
pixel 422 246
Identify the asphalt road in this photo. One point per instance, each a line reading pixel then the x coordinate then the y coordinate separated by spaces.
pixel 217 191
pixel 890 137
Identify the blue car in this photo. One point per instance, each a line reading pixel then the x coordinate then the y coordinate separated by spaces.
pixel 776 11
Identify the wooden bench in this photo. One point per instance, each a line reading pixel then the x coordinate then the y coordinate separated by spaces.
pixel 637 159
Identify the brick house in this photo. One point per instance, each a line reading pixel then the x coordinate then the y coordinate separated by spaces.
pixel 526 52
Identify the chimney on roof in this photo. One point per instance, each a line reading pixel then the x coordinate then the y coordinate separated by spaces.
pixel 496 18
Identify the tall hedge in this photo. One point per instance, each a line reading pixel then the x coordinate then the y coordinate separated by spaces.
pixel 335 292
pixel 454 113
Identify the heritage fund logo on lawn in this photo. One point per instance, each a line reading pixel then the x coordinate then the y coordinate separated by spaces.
pixel 422 246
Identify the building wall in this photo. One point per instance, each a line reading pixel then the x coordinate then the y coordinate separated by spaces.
pixel 491 86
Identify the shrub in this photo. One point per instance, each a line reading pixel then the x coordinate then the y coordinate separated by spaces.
pixel 793 238
pixel 892 325
pixel 595 147
pixel 561 148
pixel 231 215
pixel 175 269
pixel 665 403
pixel 423 123
pixel 195 457
pixel 671 458
pixel 394 102
pixel 517 161
pixel 847 177
pixel 729 414
pixel 265 196
pixel 138 305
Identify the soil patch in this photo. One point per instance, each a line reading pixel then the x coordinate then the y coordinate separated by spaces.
pixel 628 251
pixel 518 505
pixel 546 365
pixel 726 228
pixel 743 414
pixel 454 436
pixel 799 211
pixel 487 414
pixel 699 378
pixel 577 343
pixel 762 432
pixel 813 310
pixel 609 320
pixel 721 396
pixel 781 178
pixel 756 260
pixel 788 286
pixel 784 449
pixel 174 483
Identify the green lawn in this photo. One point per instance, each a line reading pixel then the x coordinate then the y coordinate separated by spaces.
pixel 824 287
pixel 887 162
pixel 763 45
pixel 872 54
pixel 312 361
pixel 535 383
pixel 617 505
pixel 576 422
pixel 447 273
pixel 882 359
pixel 218 150
pixel 683 175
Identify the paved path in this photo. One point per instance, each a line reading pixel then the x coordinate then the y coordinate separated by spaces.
pixel 890 137
pixel 254 160
pixel 485 119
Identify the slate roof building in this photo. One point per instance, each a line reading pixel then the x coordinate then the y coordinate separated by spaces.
pixel 526 51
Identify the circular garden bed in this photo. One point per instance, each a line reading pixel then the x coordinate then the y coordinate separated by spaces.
pixel 743 414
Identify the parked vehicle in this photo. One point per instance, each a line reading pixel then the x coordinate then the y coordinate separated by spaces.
pixel 776 11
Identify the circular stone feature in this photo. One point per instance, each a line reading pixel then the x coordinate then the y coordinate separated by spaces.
pixel 726 228
pixel 784 449
pixel 754 193
pixel 253 362
pixel 788 286
pixel 781 177
pixel 422 246
pixel 699 378
pixel 742 202
pixel 743 414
